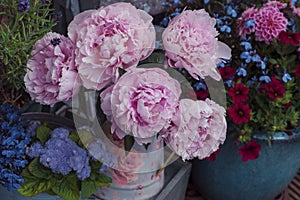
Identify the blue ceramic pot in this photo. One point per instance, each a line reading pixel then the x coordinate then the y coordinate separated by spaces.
pixel 228 178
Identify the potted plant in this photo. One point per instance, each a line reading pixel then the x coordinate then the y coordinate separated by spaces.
pixel 128 103
pixel 42 156
pixel 260 156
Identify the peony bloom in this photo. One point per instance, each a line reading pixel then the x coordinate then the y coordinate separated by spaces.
pixel 269 22
pixel 52 75
pixel 246 23
pixel 238 93
pixel 250 151
pixel 289 38
pixel 190 42
pixel 141 103
pixel 112 37
pixel 197 129
pixel 239 113
pixel 274 89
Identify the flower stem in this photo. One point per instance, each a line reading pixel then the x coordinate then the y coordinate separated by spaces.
pixel 165 164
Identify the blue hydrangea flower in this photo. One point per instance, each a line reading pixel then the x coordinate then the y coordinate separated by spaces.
pixel 62 155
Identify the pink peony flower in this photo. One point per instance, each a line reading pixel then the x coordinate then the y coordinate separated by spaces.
pixel 197 129
pixel 112 37
pixel 51 75
pixel 141 103
pixel 269 22
pixel 190 43
pixel 244 25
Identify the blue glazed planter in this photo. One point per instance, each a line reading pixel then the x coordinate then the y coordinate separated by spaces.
pixel 228 178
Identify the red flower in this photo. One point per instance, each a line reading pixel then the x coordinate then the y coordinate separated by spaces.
pixel 239 113
pixel 227 72
pixel 213 156
pixel 202 94
pixel 238 93
pixel 250 151
pixel 274 89
pixel 297 73
pixel 289 38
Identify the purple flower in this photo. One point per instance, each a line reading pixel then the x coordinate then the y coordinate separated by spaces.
pixel 141 103
pixel 34 150
pixel 52 74
pixel 23 5
pixel 112 37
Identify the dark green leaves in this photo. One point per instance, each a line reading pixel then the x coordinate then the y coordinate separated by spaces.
pixel 128 142
pixel 43 134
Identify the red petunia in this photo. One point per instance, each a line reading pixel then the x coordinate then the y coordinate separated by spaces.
pixel 202 94
pixel 213 156
pixel 238 93
pixel 297 73
pixel 289 38
pixel 227 72
pixel 250 151
pixel 274 89
pixel 239 113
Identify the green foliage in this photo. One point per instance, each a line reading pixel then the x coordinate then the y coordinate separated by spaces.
pixel 39 179
pixel 18 32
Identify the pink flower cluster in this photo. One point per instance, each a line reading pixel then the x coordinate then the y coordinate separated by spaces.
pixel 143 101
pixel 190 42
pixel 112 37
pixel 268 22
pixel 52 75
pixel 197 129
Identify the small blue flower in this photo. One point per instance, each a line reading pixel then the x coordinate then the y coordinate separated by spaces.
pixel 206 1
pixel 250 23
pixel 241 72
pixel 200 85
pixel 225 28
pixel 265 78
pixel 231 12
pixel 247 45
pixel 228 83
pixel 286 77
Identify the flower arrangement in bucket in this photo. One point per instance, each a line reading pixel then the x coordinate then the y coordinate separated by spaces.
pixel 262 78
pixel 141 102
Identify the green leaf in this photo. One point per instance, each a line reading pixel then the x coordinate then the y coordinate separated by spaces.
pixel 68 188
pixel 33 185
pixel 273 61
pixel 43 133
pixel 38 170
pixel 88 187
pixel 74 136
pixel 128 142
pixel 103 180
